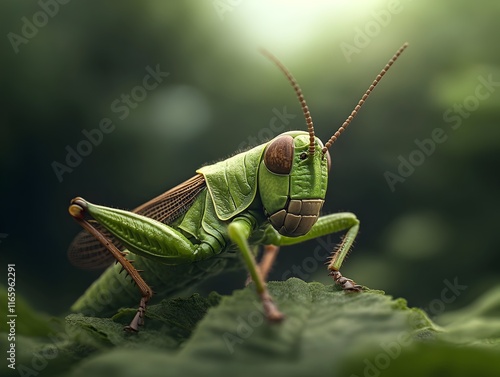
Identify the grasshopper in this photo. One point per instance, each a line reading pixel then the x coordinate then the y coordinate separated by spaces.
pixel 269 195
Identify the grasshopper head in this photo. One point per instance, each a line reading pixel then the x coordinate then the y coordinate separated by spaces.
pixel 293 182
pixel 294 172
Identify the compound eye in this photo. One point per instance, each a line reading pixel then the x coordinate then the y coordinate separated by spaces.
pixel 328 160
pixel 278 156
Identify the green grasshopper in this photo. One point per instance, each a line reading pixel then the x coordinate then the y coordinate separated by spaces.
pixel 269 195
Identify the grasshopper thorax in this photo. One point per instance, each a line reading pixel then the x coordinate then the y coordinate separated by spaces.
pixel 293 183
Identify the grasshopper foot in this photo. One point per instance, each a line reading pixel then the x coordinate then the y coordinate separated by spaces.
pixel 271 311
pixel 138 318
pixel 345 283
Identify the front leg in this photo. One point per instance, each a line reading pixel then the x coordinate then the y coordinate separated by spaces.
pixel 266 263
pixel 337 259
pixel 326 225
pixel 239 230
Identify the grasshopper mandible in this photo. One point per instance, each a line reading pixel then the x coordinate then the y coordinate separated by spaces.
pixel 269 195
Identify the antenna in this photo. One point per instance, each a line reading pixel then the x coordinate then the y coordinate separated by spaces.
pixel 298 91
pixel 363 99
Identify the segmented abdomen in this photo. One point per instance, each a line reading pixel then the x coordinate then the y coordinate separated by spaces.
pixel 114 290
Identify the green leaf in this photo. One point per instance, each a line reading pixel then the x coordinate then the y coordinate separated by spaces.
pixel 169 323
pixel 476 325
pixel 326 332
pixel 323 326
pixel 468 345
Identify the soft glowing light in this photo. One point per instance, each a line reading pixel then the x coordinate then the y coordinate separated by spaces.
pixel 290 24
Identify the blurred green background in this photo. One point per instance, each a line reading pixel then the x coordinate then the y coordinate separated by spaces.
pixel 436 223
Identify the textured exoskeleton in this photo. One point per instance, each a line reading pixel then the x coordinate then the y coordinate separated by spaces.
pixel 269 195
